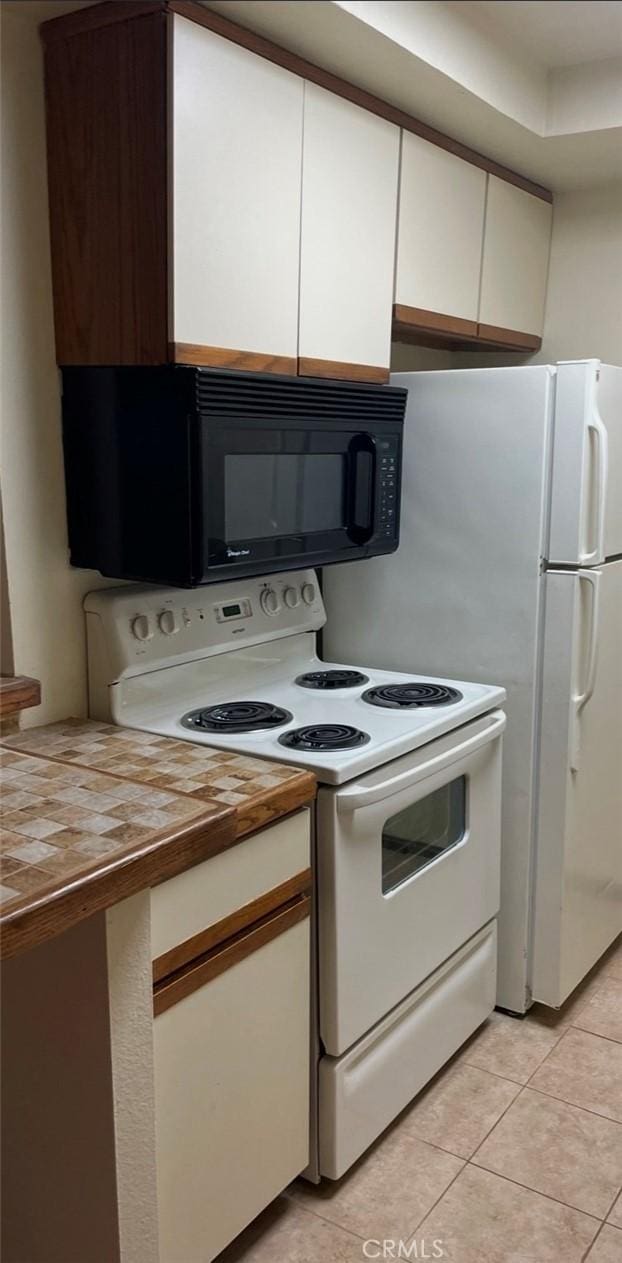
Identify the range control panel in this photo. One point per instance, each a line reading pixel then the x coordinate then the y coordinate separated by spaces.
pixel 141 628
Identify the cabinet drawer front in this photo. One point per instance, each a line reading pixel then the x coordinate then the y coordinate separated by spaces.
pixel 200 897
pixel 363 1091
pixel 232 1097
pixel 440 230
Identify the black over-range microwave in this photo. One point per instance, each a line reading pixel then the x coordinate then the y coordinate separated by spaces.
pixel 187 476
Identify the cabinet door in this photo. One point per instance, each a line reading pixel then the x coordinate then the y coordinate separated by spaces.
pixel 440 231
pixel 231 1063
pixel 515 262
pixel 349 206
pixel 236 159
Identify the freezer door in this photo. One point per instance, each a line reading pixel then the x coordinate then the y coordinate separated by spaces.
pixel 578 869
pixel 586 494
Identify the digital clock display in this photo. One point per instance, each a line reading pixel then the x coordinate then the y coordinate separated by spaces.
pixel 231 611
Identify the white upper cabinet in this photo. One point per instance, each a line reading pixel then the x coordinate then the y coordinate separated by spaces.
pixel 235 179
pixel 440 230
pixel 349 208
pixel 516 254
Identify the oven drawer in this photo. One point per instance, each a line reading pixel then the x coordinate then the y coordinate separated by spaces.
pixel 408 868
pixel 363 1091
pixel 215 899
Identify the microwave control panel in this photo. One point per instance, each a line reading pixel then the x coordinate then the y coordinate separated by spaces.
pixel 386 518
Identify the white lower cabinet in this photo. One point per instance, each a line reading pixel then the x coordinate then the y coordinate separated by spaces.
pixel 231 1066
pixel 232 1097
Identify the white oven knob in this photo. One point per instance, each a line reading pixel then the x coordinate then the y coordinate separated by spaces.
pixel 291 596
pixel 141 627
pixel 269 602
pixel 167 622
pixel 308 593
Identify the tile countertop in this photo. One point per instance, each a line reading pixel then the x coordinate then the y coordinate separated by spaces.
pixel 91 813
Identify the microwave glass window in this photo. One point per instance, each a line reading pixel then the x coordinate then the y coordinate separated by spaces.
pixel 416 836
pixel 269 495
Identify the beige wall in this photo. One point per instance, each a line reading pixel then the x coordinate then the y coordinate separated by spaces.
pixel 45 594
pixel 583 315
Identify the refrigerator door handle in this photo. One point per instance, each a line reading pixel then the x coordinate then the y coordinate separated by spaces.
pixel 592 578
pixel 596 427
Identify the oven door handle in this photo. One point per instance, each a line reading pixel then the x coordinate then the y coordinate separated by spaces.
pixel 349 800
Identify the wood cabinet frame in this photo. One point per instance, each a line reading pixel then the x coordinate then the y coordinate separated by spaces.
pixel 109 197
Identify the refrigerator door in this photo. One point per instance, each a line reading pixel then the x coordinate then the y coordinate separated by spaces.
pixel 578 870
pixel 586 493
pixel 463 593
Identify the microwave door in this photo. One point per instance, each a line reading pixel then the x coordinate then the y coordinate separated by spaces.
pixel 282 495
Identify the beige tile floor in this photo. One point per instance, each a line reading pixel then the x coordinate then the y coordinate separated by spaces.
pixel 513 1154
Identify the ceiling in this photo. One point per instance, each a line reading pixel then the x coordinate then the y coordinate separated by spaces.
pixel 553 32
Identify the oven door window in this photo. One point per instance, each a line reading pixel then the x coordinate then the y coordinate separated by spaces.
pixel 423 832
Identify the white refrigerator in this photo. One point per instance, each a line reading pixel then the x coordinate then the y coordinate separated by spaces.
pixel 509 571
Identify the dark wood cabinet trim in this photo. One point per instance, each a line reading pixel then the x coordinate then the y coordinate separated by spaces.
pixel 106 115
pixel 511 338
pixel 224 357
pixel 176 987
pixel 120 10
pixel 206 940
pixel 341 87
pixel 98 15
pixel 432 328
pixel 18 692
pixel 309 367
pixel 433 321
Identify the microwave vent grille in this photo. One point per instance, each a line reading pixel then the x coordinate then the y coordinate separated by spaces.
pixel 262 397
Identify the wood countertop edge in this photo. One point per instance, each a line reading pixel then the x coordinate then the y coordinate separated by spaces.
pixel 67 901
pixel 273 803
pixel 18 692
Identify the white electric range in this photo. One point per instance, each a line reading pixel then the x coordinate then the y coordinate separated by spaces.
pixel 407 820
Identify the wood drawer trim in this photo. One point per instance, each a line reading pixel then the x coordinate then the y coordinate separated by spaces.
pixel 18 692
pixel 206 940
pixel 225 357
pixel 342 371
pixel 433 321
pixel 509 337
pixel 433 328
pixel 122 10
pixel 177 986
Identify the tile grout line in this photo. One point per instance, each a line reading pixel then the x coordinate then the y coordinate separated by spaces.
pixel 563 1101
pixel 531 1189
pixel 293 1201
pixel 438 1199
pixel 585 1030
pixel 612 1206
pixel 538 1193
pixel 593 1242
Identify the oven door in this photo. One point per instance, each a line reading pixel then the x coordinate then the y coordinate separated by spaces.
pixel 408 868
pixel 278 495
